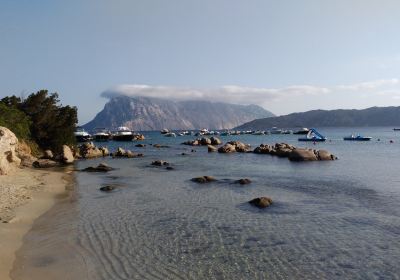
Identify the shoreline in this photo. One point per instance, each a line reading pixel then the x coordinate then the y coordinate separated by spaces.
pixel 26 195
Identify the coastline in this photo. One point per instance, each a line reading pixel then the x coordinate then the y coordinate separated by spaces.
pixel 25 195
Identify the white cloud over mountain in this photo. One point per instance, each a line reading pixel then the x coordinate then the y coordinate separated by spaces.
pixel 262 96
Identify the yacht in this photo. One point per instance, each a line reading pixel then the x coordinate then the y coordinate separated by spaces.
pixel 123 134
pixel 303 130
pixel 101 134
pixel 81 135
pixel 313 136
pixel 357 138
pixel 276 130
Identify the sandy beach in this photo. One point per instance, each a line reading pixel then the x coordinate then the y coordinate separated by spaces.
pixel 24 196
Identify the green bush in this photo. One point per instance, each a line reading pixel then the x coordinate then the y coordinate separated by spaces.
pixel 15 120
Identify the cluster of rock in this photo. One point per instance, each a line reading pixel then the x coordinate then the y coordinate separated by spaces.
pixel 214 141
pixel 204 179
pixel 102 167
pixel 125 153
pixel 89 150
pixel 235 146
pixel 293 153
pixel 261 202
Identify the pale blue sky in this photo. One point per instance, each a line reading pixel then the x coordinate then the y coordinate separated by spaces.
pixel 285 55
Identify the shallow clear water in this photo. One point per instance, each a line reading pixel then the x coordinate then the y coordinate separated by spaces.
pixel 329 220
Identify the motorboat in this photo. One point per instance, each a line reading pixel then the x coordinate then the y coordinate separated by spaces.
pixel 258 132
pixel 276 130
pixel 123 134
pixel 164 131
pixel 170 134
pixel 81 135
pixel 313 136
pixel 357 138
pixel 396 129
pixel 302 131
pixel 101 134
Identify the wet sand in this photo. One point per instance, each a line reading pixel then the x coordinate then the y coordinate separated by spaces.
pixel 24 196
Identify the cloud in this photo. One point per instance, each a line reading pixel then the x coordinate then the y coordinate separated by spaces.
pixel 231 93
pixel 370 85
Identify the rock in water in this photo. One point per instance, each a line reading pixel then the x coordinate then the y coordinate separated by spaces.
pixel 67 156
pixel 261 202
pixel 204 179
pixel 8 157
pixel 212 149
pixel 244 181
pixel 102 167
pixel 160 163
pixel 107 188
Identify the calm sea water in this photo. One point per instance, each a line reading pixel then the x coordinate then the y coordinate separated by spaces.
pixel 329 220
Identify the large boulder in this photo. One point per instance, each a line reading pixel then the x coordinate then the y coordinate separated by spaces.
pixel 235 146
pixel 24 152
pixel 300 154
pixel 215 141
pixel 205 141
pixel 325 155
pixel 8 155
pixel 66 155
pixel 264 149
pixel 212 148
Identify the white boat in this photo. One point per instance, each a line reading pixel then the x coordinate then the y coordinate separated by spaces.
pixel 164 131
pixel 101 134
pixel 276 130
pixel 170 134
pixel 123 134
pixel 81 135
pixel 258 132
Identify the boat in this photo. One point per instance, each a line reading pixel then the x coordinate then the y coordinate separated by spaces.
pixel 164 131
pixel 276 130
pixel 101 134
pixel 303 130
pixel 123 134
pixel 170 134
pixel 396 129
pixel 313 136
pixel 81 135
pixel 258 132
pixel 357 138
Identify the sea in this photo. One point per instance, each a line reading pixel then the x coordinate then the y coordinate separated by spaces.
pixel 329 220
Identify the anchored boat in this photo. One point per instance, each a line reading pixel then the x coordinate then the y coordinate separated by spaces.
pixel 313 136
pixel 357 138
pixel 81 135
pixel 101 134
pixel 304 131
pixel 123 134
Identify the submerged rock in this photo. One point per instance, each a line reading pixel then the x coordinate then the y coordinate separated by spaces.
pixel 169 168
pixel 160 163
pixel 160 146
pixel 261 202
pixel 204 179
pixel 102 167
pixel 107 188
pixel 243 181
pixel 140 145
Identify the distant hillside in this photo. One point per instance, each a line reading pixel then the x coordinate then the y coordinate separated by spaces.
pixel 375 116
pixel 142 113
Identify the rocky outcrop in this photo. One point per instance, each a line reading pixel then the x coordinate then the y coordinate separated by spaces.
pixel 204 141
pixel 24 152
pixel 121 153
pixel 235 146
pixel 89 150
pixel 203 179
pixel 66 155
pixel 48 154
pixel 293 153
pixel 261 202
pixel 8 155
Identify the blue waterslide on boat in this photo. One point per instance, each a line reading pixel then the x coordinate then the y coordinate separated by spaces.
pixel 313 136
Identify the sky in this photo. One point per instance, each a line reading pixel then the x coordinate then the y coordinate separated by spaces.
pixel 287 56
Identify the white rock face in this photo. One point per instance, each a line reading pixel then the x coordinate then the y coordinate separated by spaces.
pixel 8 156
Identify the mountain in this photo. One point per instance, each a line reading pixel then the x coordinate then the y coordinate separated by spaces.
pixel 143 113
pixel 375 116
